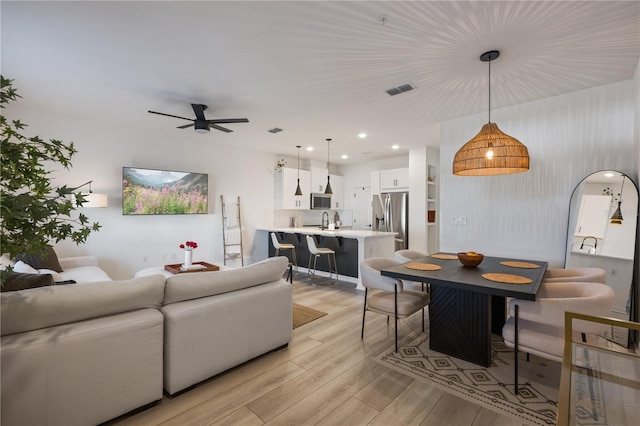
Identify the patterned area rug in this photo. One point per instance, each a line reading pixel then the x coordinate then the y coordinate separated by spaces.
pixel 536 402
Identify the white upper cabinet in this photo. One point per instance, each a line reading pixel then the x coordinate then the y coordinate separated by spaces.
pixel 394 180
pixel 286 184
pixel 375 183
pixel 594 216
pixel 318 179
pixel 337 186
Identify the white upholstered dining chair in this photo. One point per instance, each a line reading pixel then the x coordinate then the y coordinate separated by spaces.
pixel 593 275
pixel 386 295
pixel 405 256
pixel 537 326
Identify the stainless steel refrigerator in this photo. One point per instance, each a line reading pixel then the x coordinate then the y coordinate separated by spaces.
pixel 391 214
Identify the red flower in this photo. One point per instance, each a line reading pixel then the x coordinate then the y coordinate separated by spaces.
pixel 189 245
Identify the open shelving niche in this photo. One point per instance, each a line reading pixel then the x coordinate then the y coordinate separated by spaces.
pixel 432 206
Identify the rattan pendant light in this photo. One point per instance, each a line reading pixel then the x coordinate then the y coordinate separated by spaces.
pixel 328 189
pixel 298 190
pixel 491 152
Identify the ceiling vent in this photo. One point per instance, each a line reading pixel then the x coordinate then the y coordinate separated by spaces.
pixel 401 89
pixel 275 130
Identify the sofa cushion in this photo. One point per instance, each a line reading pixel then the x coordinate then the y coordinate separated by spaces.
pixel 43 307
pixel 47 261
pixel 202 284
pixel 15 281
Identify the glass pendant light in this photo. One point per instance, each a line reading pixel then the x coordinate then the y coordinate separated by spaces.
pixel 298 190
pixel 328 189
pixel 616 219
pixel 491 152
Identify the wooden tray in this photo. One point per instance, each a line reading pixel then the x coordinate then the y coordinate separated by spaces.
pixel 176 268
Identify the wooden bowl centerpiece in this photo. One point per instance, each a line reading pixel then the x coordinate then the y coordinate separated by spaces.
pixel 470 259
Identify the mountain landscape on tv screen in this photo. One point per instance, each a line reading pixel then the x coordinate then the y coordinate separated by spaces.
pixel 151 192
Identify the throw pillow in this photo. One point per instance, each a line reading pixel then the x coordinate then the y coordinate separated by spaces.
pixel 56 276
pixel 23 268
pixel 17 281
pixel 48 261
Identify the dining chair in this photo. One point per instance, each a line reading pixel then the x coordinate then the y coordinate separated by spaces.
pixel 316 252
pixel 406 256
pixel 537 326
pixel 594 275
pixel 284 246
pixel 388 296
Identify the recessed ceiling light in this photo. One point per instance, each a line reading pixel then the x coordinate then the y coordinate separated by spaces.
pixel 362 135
pixel 345 156
pixel 609 174
pixel 395 146
pixel 309 148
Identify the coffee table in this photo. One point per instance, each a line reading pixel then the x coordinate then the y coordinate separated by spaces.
pixel 155 270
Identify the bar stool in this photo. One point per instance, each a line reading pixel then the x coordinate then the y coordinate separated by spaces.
pixel 316 252
pixel 284 246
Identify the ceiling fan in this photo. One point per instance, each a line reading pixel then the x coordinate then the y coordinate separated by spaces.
pixel 201 124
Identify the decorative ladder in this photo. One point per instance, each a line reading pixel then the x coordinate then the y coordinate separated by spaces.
pixel 231 231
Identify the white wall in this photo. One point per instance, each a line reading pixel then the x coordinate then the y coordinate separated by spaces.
pixel 124 242
pixel 525 215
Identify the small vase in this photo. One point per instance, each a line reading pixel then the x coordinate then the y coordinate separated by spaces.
pixel 188 258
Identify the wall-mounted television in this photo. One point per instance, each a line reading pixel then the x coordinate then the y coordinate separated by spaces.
pixel 155 192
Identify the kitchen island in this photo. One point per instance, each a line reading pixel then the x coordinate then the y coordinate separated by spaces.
pixel 351 247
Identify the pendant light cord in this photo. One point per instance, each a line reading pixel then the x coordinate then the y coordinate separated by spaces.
pixel 489 91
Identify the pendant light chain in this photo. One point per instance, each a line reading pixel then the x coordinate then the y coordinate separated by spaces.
pixel 328 189
pixel 298 189
pixel 489 91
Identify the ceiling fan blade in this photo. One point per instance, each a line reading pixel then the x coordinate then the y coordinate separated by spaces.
pixel 220 128
pixel 185 126
pixel 229 120
pixel 169 115
pixel 199 109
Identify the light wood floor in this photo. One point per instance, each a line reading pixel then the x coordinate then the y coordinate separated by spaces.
pixel 326 376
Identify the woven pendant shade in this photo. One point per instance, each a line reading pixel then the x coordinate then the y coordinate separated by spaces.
pixel 509 154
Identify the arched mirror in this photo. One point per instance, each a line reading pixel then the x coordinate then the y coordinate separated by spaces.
pixel 603 216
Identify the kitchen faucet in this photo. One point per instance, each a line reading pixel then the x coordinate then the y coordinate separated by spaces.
pixel 322 224
pixel 595 244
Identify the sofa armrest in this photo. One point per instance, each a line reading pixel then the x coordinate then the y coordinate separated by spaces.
pixel 75 262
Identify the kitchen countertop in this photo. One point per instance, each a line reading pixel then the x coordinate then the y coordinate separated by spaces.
pixel 345 233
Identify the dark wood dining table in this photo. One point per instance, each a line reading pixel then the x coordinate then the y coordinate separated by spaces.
pixel 465 308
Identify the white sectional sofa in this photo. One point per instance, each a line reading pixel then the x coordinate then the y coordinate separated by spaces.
pixel 83 354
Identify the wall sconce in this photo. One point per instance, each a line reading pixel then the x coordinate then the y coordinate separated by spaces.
pixel 92 200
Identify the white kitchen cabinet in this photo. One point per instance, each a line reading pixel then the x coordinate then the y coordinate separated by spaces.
pixel 375 183
pixel 594 216
pixel 286 184
pixel 318 179
pixel 337 186
pixel 394 180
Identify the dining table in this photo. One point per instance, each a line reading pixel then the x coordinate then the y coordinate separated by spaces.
pixel 468 304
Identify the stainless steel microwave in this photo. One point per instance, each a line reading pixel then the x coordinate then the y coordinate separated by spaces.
pixel 320 201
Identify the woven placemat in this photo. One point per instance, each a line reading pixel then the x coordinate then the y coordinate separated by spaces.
pixel 445 256
pixel 506 278
pixel 423 266
pixel 524 265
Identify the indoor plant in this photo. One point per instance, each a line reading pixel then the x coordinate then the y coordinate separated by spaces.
pixel 34 214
